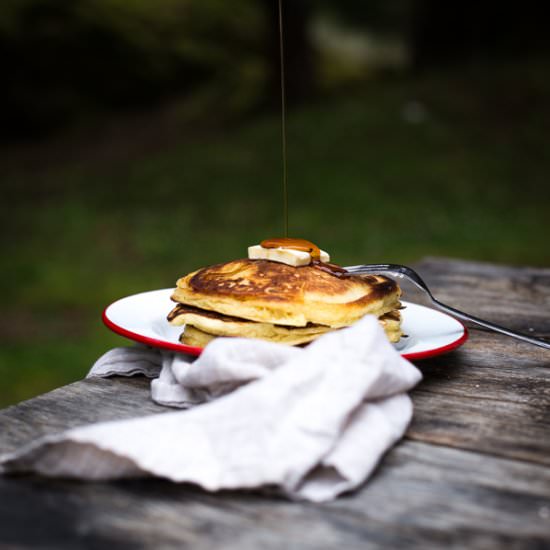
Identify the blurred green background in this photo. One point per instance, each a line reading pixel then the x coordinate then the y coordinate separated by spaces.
pixel 141 140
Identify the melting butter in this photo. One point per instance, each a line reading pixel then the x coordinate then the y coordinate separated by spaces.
pixel 283 255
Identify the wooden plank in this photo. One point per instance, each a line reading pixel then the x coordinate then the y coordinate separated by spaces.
pixel 77 404
pixel 511 372
pixel 516 297
pixel 492 395
pixel 496 403
pixel 422 497
pixel 493 427
pixel 463 492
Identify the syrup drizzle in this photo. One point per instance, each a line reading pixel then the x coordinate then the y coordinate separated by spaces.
pixel 312 249
pixel 293 244
pixel 286 241
pixel 283 119
pixel 333 269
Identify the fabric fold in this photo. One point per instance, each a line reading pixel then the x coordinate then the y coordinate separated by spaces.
pixel 312 421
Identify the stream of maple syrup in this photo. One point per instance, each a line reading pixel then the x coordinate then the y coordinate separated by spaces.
pixel 306 246
pixel 283 119
pixel 286 241
pixel 293 244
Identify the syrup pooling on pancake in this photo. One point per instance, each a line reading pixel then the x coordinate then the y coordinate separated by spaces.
pixel 279 302
pixel 294 244
pixel 217 324
pixel 316 257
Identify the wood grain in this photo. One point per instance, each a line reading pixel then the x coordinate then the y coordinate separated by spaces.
pixel 423 496
pixel 80 403
pixel 494 402
pixel 516 297
pixel 472 472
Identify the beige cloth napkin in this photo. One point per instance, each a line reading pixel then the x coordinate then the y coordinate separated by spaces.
pixel 312 422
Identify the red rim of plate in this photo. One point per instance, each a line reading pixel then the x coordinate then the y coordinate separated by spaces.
pixel 196 351
pixel 441 350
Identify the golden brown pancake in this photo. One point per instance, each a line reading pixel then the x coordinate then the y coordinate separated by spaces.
pixel 216 324
pixel 193 336
pixel 197 333
pixel 391 323
pixel 279 294
pixel 212 324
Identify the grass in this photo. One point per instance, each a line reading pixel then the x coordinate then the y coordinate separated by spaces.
pixel 467 178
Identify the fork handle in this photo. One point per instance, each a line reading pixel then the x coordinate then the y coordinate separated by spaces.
pixel 491 326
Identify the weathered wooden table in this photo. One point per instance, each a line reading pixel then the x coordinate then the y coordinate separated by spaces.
pixel 472 472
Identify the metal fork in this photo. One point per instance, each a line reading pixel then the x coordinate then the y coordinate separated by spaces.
pixel 401 271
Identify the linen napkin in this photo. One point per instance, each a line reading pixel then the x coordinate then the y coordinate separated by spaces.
pixel 311 422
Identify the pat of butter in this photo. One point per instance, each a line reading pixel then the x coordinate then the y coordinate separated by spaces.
pixel 282 255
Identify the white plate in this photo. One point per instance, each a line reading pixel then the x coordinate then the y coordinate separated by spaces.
pixel 142 317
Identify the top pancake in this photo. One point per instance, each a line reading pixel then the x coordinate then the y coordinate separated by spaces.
pixel 272 292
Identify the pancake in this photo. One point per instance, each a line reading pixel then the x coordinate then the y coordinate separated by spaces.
pixel 199 333
pixel 195 337
pixel 391 323
pixel 216 324
pixel 278 294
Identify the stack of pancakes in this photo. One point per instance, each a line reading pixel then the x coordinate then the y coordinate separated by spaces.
pixel 280 303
